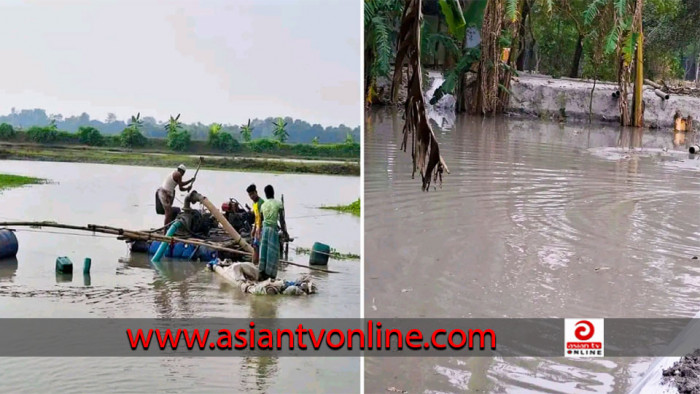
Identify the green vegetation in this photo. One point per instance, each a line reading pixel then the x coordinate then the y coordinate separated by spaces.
pixel 353 208
pixel 280 131
pixel 90 136
pixel 334 254
pixel 299 130
pixel 7 132
pixel 93 155
pixel 8 181
pixel 247 132
pixel 218 143
pixel 596 39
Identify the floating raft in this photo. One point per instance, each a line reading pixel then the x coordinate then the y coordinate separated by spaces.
pixel 244 275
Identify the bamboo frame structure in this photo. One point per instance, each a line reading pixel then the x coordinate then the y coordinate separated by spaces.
pixel 145 236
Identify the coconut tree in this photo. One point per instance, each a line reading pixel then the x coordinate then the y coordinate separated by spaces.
pixel 247 131
pixel 280 130
pixel 424 145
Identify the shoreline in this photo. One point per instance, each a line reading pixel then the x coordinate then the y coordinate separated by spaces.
pixel 247 164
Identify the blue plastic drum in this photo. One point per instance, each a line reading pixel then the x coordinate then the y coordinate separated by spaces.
pixel 8 244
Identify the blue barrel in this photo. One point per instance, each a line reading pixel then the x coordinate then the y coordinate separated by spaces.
pixel 319 254
pixel 8 244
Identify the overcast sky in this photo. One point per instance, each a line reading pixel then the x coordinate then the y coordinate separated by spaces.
pixel 213 61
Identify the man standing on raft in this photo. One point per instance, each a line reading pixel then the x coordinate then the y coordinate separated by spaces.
pixel 166 193
pixel 272 212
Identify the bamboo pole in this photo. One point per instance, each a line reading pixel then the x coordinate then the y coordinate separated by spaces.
pixel 145 236
pixel 639 81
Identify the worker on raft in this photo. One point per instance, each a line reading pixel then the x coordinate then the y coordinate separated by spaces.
pixel 272 212
pixel 257 226
pixel 165 195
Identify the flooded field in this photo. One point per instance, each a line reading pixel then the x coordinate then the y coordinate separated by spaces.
pixel 121 285
pixel 535 220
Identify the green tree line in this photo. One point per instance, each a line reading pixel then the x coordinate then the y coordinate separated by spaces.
pixel 298 130
pixel 178 139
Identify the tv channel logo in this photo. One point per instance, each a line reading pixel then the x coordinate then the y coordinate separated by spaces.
pixel 584 337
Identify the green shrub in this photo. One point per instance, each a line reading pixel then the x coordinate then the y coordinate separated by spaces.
pixel 64 136
pixel 42 134
pixel 7 132
pixel 264 145
pixel 90 136
pixel 132 138
pixel 225 143
pixel 179 140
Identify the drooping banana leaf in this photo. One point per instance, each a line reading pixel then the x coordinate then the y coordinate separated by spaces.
pixel 454 17
pixel 452 76
pixel 425 150
pixel 474 13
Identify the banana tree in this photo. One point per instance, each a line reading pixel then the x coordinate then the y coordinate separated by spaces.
pixel 174 125
pixel 135 123
pixel 623 18
pixel 280 130
pixel 247 131
pixel 380 21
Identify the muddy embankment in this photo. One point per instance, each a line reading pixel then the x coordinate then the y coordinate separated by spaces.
pixel 547 97
pixel 561 99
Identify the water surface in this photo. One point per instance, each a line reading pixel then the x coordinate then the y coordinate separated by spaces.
pixel 535 220
pixel 123 285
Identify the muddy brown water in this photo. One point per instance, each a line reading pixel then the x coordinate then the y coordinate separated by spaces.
pixel 123 285
pixel 536 219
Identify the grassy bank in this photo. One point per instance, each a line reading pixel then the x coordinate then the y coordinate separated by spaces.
pixel 8 181
pixel 41 153
pixel 353 208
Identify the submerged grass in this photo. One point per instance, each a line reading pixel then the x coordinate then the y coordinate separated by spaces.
pixel 173 159
pixel 8 181
pixel 353 208
pixel 334 254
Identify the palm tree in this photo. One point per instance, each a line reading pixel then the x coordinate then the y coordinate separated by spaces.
pixel 247 131
pixel 136 123
pixel 174 125
pixel 280 131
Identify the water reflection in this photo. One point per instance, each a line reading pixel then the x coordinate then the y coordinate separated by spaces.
pixel 8 269
pixel 259 371
pixel 535 220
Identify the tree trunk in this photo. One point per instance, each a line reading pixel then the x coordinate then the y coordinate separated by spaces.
pixel 622 82
pixel 485 95
pixel 520 63
pixel 369 80
pixel 577 57
pixel 697 72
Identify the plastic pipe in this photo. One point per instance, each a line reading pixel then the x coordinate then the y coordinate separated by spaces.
pixel 196 197
pixel 661 94
pixel 164 245
pixel 694 149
